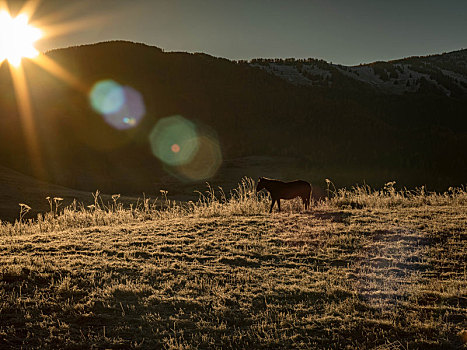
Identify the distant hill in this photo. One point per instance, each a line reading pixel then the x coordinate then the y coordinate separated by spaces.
pixel 424 81
pixel 445 73
pixel 17 188
pixel 408 115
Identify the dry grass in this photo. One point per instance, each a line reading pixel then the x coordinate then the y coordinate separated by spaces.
pixel 363 269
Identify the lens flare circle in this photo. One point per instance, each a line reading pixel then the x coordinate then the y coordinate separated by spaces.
pixel 189 151
pixel 174 131
pixel 130 113
pixel 17 38
pixel 107 97
pixel 205 163
pixel 122 107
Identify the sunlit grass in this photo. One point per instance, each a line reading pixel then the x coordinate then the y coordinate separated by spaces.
pixel 363 269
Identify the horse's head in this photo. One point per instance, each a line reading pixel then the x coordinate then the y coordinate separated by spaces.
pixel 260 184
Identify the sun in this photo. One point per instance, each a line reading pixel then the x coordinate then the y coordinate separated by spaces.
pixel 17 38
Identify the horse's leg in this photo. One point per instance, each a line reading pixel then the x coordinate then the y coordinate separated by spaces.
pixel 304 202
pixel 279 204
pixel 272 205
pixel 308 200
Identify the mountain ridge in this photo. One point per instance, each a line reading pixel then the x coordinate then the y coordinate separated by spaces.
pixel 394 76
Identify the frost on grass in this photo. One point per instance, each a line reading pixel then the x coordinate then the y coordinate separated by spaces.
pixel 387 273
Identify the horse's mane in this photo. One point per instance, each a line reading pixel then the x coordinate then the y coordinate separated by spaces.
pixel 269 180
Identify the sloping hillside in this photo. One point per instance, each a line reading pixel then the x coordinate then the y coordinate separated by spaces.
pixel 17 188
pixel 243 111
pixel 446 73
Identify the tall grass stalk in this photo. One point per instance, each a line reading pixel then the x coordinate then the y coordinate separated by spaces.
pixel 215 203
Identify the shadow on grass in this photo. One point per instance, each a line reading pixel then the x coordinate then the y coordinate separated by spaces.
pixel 334 216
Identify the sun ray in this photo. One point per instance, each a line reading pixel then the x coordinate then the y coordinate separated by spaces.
pixel 27 120
pixel 71 9
pixel 59 29
pixel 3 5
pixel 54 68
pixel 16 41
pixel 30 7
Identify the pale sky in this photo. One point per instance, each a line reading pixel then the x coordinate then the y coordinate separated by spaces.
pixel 340 31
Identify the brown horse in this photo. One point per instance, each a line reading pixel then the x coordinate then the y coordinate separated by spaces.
pixel 285 190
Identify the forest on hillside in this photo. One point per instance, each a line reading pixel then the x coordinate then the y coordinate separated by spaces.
pixel 250 112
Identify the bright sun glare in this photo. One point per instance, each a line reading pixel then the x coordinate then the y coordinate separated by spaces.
pixel 17 38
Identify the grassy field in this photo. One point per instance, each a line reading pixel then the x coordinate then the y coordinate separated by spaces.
pixel 362 269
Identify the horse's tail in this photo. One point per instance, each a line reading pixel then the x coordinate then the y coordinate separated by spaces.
pixel 309 199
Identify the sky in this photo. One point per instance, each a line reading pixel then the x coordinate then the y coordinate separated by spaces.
pixel 346 32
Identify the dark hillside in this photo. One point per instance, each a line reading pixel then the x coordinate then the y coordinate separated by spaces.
pixel 252 112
